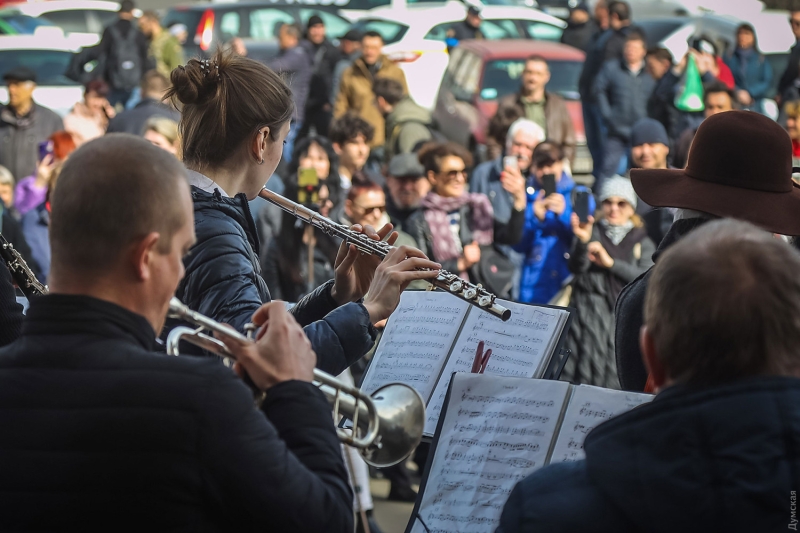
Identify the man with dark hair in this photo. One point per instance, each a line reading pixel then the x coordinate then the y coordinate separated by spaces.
pixel 351 136
pixel 181 440
pixel 621 91
pixel 124 50
pixel 789 84
pixel 349 51
pixel 24 124
pixel 581 28
pixel 324 57
pixel 740 166
pixel 154 86
pixel 295 65
pixel 546 109
pixel 717 449
pixel 717 99
pixel 165 49
pixel 355 87
pixel 469 28
pixel 547 236
pixel 408 125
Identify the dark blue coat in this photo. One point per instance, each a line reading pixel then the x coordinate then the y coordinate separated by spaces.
pixel 223 281
pixel 724 459
pixel 102 434
pixel 622 96
pixel 751 73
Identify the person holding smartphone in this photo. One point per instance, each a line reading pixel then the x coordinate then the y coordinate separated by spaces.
pixel 607 253
pixel 547 235
pixel 89 118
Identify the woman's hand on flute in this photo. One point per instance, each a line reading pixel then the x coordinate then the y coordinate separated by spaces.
pixel 353 270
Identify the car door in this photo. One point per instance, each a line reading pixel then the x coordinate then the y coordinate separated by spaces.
pixel 459 104
pixel 75 24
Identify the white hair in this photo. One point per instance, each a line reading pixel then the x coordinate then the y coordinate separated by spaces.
pixel 527 126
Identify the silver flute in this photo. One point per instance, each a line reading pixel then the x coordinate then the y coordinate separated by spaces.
pixel 452 283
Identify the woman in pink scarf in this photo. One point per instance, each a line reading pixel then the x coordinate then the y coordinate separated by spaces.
pixel 453 224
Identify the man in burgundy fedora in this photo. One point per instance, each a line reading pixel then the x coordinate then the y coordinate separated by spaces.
pixel 739 166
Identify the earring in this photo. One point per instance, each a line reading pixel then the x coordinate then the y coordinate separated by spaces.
pixel 261 162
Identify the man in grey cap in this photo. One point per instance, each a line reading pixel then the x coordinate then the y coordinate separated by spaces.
pixel 468 28
pixel 24 124
pixel 406 186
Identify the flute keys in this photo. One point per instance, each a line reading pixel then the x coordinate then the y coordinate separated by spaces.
pixel 456 286
pixel 470 293
pixel 485 301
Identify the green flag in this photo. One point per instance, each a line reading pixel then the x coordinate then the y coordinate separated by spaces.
pixel 690 96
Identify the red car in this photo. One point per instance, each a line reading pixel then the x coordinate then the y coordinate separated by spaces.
pixel 481 72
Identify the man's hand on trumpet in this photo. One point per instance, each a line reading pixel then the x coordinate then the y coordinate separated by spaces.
pixel 353 270
pixel 399 268
pixel 281 351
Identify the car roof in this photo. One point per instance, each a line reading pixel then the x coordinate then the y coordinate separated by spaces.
pixel 37 8
pixel 202 6
pixel 521 48
pixel 454 11
pixel 36 42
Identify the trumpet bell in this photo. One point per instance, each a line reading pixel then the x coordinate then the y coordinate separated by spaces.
pixel 401 412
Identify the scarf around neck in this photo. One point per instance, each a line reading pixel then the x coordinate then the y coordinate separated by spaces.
pixel 616 233
pixel 480 222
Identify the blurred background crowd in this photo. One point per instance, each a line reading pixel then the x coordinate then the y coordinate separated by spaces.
pixel 495 136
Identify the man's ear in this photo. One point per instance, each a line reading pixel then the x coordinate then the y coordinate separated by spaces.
pixel 143 254
pixel 652 362
pixel 337 148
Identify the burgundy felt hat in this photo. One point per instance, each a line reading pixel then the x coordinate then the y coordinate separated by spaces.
pixel 740 166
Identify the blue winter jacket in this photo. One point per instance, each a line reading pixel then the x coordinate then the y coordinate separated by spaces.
pixel 722 459
pixel 545 245
pixel 751 72
pixel 223 281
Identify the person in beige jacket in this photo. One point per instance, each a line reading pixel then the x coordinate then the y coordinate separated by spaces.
pixel 355 87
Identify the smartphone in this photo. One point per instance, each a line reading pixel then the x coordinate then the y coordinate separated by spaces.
pixel 307 186
pixel 511 161
pixel 549 184
pixel 45 148
pixel 582 205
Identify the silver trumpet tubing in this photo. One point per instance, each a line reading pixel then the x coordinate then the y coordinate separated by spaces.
pixel 447 281
pixel 386 426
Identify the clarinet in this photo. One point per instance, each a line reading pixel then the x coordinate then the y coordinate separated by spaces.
pixel 20 271
pixel 452 283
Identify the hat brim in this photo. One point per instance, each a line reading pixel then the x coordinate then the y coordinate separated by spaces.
pixel 772 211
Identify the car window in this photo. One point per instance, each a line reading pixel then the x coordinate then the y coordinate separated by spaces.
pixel 438 32
pixel 499 29
pixel 229 25
pixel 541 31
pixel 502 77
pixel 100 19
pixel 69 20
pixel 17 23
pixel 189 18
pixel 49 65
pixel 335 26
pixel 391 31
pixel 265 22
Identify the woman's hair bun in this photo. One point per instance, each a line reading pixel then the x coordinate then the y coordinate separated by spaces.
pixel 195 82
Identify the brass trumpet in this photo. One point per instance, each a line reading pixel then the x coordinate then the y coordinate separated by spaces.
pixel 387 426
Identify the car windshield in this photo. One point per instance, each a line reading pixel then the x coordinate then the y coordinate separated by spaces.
pixel 49 65
pixel 657 30
pixel 502 77
pixel 391 32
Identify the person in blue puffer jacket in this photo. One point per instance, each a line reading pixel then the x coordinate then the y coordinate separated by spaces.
pixel 752 73
pixel 235 119
pixel 547 236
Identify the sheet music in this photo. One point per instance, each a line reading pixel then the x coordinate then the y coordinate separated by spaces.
pixel 497 430
pixel 519 347
pixel 416 341
pixel 588 407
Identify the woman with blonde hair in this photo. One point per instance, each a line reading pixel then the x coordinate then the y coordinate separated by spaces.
pixel 163 132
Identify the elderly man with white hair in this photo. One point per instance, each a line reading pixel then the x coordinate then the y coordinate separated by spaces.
pixel 505 179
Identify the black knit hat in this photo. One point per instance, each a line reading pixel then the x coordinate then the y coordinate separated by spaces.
pixel 314 20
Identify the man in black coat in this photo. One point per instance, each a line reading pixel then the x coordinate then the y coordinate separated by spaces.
pixel 469 28
pixel 154 87
pixel 581 29
pixel 739 167
pixel 101 433
pixel 324 57
pixel 718 449
pixel 789 84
